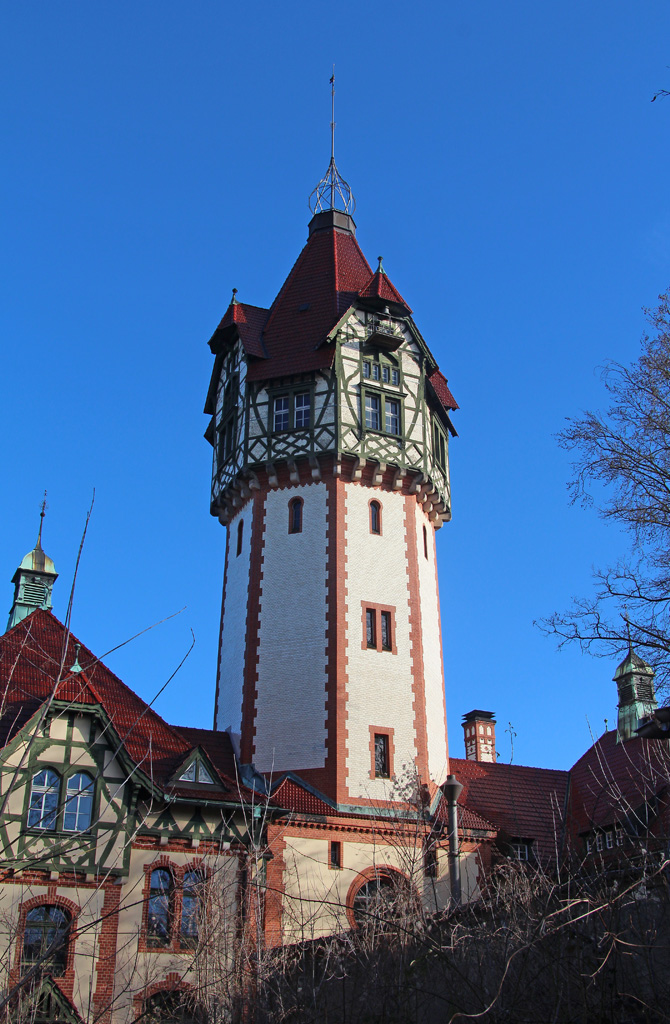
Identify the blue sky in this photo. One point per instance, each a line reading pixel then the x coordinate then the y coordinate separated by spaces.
pixel 510 167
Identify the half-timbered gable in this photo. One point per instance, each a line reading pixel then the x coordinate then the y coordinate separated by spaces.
pixel 115 828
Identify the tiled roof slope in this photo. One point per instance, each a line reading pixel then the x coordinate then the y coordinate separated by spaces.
pixel 442 390
pixel 250 321
pixel 293 797
pixel 379 287
pixel 524 803
pixel 612 781
pixel 326 278
pixel 30 659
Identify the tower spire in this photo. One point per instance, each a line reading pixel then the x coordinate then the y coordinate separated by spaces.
pixel 34 579
pixel 332 192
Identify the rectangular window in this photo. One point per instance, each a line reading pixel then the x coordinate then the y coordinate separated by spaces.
pixel 386 631
pixel 385 374
pixel 367 368
pixel 439 447
pixel 520 851
pixel 302 409
pixel 281 413
pixel 371 632
pixel 619 837
pixel 589 846
pixel 392 416
pixel 395 377
pixel 378 628
pixel 372 412
pixel 599 841
pixel 381 755
pixel 609 840
pixel 335 854
pixel 375 371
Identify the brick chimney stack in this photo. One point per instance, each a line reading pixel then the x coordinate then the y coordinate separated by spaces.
pixel 479 729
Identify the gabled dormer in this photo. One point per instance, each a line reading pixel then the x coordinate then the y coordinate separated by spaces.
pixel 196 770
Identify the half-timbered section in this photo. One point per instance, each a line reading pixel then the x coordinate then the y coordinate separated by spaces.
pixel 123 839
pixel 330 421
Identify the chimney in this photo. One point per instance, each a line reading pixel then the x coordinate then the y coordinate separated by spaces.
pixel 479 729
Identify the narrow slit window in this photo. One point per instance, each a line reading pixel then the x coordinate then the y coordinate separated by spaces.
pixel 381 756
pixel 240 530
pixel 295 516
pixel 425 542
pixel 335 854
pixel 375 517
pixel 387 642
pixel 370 627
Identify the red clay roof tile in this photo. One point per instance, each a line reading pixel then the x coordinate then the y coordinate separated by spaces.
pixel 524 803
pixel 439 382
pixel 379 287
pixel 323 283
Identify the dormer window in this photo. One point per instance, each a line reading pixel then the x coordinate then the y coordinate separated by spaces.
pixel 196 772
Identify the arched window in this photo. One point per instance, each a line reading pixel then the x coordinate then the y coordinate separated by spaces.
pixel 383 901
pixel 295 515
pixel 43 809
pixel 190 907
pixel 375 517
pixel 240 529
pixel 171 1008
pixel 161 901
pixel 425 542
pixel 46 935
pixel 78 803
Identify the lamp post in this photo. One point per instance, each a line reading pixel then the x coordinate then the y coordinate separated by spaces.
pixel 452 789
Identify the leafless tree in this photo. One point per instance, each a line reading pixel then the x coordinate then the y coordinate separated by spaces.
pixel 622 465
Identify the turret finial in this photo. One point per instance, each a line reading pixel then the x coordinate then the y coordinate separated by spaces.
pixel 332 192
pixel 233 301
pixel 380 269
pixel 43 512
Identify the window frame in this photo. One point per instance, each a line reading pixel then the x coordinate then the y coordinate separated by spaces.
pixel 74 799
pixel 240 538
pixel 375 507
pixel 440 445
pixel 388 733
pixel 290 393
pixel 335 861
pixel 65 946
pixel 294 504
pixel 372 390
pixel 377 610
pixel 176 941
pixel 226 427
pixel 44 792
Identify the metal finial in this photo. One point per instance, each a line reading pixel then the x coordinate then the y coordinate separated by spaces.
pixel 626 619
pixel 332 192
pixel 380 269
pixel 234 300
pixel 43 512
pixel 607 725
pixel 76 668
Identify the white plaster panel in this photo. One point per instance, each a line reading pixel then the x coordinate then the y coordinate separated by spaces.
pixel 432 652
pixel 379 685
pixel 292 667
pixel 234 627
